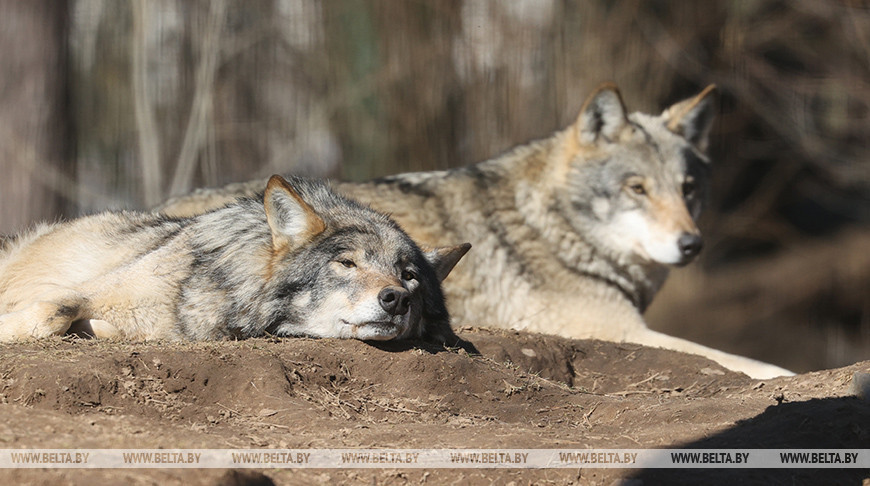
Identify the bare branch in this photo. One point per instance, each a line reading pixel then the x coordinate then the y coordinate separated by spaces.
pixel 149 140
pixel 195 134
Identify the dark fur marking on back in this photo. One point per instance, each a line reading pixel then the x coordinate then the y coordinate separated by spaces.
pixel 482 179
pixel 160 242
pixel 405 186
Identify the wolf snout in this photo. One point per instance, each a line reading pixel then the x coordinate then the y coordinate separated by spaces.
pixel 690 245
pixel 395 300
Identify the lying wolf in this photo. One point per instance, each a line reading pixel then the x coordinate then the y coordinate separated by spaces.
pixel 573 234
pixel 301 261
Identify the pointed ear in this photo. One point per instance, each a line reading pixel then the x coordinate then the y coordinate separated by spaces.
pixel 292 220
pixel 693 118
pixel 602 116
pixel 445 258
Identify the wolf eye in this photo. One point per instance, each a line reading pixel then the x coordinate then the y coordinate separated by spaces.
pixel 409 275
pixel 347 263
pixel 638 189
pixel 689 187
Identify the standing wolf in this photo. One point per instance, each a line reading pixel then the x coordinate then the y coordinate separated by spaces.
pixel 573 234
pixel 301 261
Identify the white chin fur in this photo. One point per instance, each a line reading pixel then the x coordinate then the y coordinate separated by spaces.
pixel 664 252
pixel 637 236
pixel 377 331
pixel 336 318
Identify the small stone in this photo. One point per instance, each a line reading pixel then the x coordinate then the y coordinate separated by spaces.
pixel 711 371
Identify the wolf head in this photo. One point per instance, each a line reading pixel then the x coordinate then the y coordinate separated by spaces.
pixel 344 270
pixel 636 182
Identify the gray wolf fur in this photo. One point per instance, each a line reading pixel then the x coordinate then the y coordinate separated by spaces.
pixel 299 260
pixel 573 234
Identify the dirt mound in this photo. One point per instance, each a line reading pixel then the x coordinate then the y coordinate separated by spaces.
pixel 521 391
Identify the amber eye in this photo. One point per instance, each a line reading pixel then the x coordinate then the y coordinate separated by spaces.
pixel 689 187
pixel 408 275
pixel 638 189
pixel 347 263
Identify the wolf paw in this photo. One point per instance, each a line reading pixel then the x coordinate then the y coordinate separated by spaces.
pixel 39 320
pixel 14 327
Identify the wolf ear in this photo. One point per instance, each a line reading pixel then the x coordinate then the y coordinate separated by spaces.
pixel 445 258
pixel 693 118
pixel 602 115
pixel 292 220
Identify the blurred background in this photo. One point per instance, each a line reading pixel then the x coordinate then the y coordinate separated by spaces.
pixel 120 104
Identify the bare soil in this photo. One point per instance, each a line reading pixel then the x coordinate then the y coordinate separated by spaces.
pixel 521 391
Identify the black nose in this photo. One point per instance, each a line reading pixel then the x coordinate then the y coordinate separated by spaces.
pixel 690 245
pixel 395 300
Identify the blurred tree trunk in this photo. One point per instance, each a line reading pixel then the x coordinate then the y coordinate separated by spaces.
pixel 353 50
pixel 35 136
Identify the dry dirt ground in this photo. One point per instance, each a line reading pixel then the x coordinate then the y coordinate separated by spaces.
pixel 521 391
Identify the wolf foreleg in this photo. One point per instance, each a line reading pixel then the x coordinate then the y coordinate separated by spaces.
pixel 752 368
pixel 41 319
